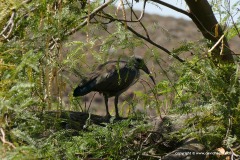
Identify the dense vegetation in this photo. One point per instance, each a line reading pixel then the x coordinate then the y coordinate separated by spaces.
pixel 38 62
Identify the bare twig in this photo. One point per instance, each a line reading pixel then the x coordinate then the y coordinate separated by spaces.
pixel 234 155
pixel 138 19
pixel 215 45
pixel 144 28
pixel 112 19
pixel 107 16
pixel 141 146
pixel 7 30
pixel 54 43
pixel 91 102
pixel 4 140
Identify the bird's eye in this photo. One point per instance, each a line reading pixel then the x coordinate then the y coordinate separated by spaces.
pixel 142 63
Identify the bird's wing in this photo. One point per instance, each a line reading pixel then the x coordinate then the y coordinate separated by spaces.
pixel 103 71
pixel 100 79
pixel 108 69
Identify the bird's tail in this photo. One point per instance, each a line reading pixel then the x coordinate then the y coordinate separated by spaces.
pixel 82 90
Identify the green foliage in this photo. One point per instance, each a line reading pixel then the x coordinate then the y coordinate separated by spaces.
pixel 37 74
pixel 210 94
pixel 115 141
pixel 112 142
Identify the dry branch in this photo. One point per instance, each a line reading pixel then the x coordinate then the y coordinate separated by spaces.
pixel 7 30
pixel 3 139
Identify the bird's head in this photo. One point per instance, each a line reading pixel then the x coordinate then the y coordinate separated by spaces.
pixel 140 64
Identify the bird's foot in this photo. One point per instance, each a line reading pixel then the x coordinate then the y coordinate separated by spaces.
pixel 118 118
pixel 108 116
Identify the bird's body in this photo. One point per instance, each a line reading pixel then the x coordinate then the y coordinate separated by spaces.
pixel 109 79
pixel 112 79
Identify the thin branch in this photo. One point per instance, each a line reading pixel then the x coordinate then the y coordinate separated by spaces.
pixel 220 39
pixel 155 44
pixel 189 14
pixel 90 102
pixel 231 17
pixel 148 39
pixel 124 20
pixel 123 11
pixel 138 19
pixel 7 30
pixel 91 15
pixel 54 41
pixel 141 22
pixel 111 18
pixel 143 11
pixel 4 141
pixel 172 7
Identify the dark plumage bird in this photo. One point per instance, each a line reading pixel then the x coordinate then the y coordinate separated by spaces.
pixel 112 79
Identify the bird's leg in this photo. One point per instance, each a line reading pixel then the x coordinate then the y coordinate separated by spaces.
pixel 116 107
pixel 106 104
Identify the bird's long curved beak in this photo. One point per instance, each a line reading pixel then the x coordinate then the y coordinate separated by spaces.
pixel 146 70
pixel 152 78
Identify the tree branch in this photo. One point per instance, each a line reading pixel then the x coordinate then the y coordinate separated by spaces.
pixel 89 17
pixel 155 44
pixel 204 14
pixel 94 12
pixel 132 11
pixel 3 139
pixel 124 20
pixel 7 30
pixel 203 17
pixel 148 39
pixel 189 14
